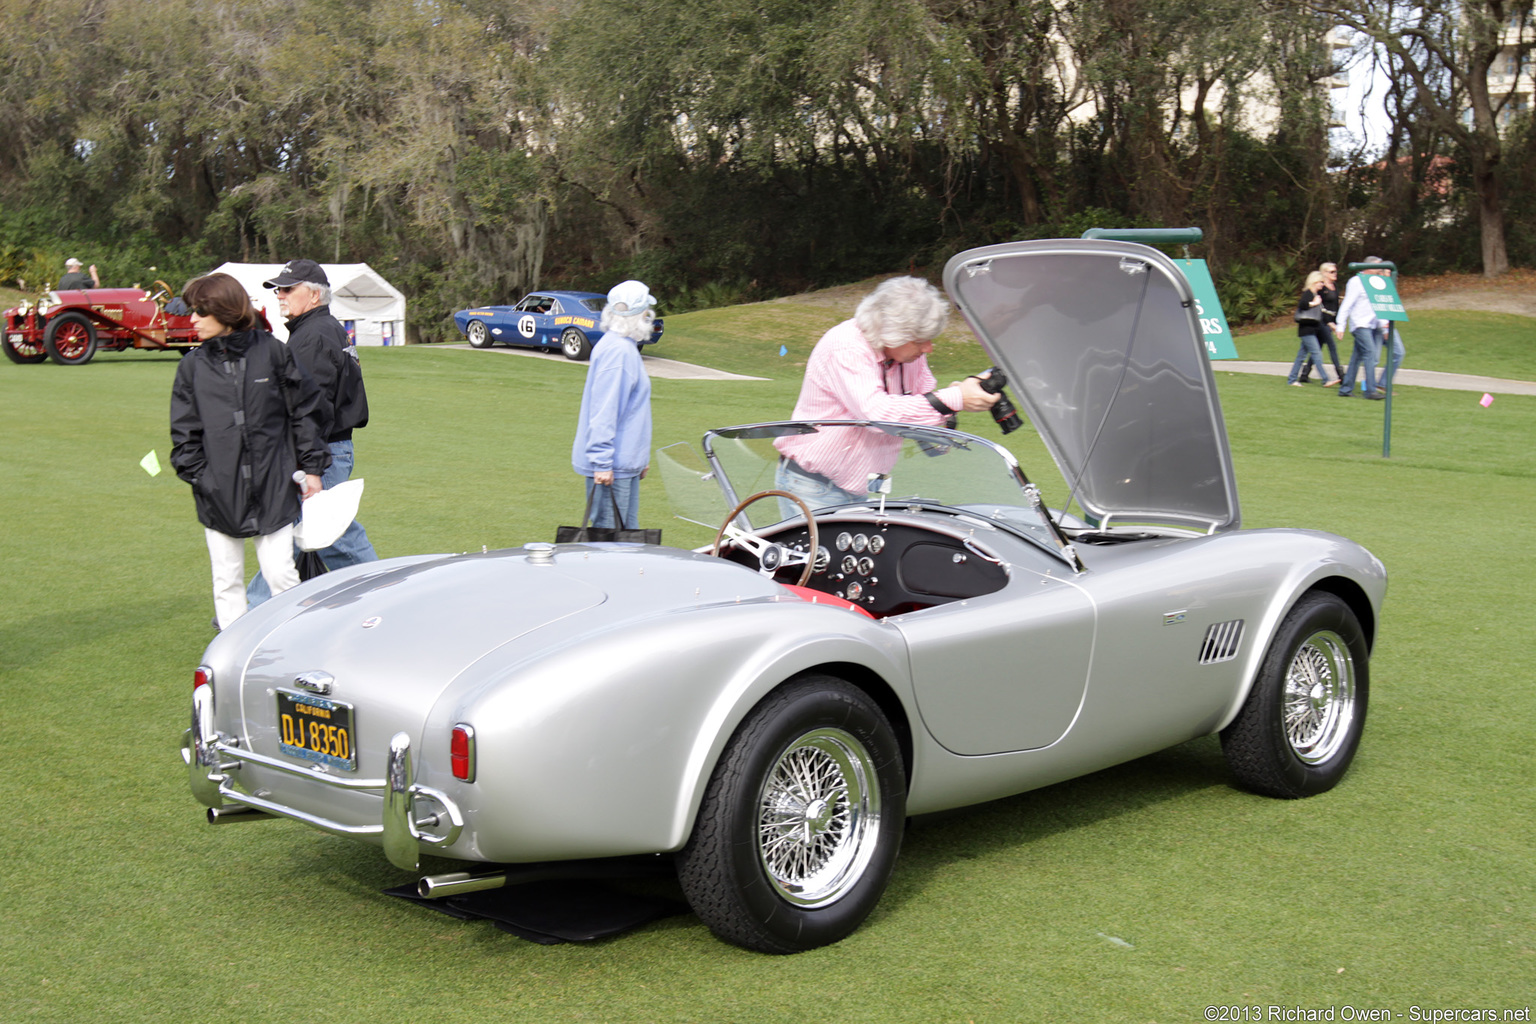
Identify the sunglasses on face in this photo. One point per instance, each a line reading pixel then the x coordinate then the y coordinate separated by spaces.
pixel 286 289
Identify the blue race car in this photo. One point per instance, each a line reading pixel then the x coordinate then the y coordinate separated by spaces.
pixel 567 320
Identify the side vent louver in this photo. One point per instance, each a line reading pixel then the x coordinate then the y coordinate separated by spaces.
pixel 1221 642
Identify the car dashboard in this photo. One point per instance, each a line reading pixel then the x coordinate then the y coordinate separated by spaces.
pixel 889 568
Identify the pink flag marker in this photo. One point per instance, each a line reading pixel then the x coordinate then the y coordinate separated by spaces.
pixel 1487 400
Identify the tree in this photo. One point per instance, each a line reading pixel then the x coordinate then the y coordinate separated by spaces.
pixel 1439 54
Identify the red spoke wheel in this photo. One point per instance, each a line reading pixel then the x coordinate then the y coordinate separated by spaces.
pixel 23 352
pixel 70 339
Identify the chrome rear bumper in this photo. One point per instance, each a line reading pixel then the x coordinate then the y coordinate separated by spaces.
pixel 214 762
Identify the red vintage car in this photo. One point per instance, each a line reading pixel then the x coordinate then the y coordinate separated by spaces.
pixel 70 327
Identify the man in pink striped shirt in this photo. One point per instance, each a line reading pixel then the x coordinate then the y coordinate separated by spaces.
pixel 873 367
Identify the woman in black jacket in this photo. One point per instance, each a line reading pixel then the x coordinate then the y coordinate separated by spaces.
pixel 1311 318
pixel 247 424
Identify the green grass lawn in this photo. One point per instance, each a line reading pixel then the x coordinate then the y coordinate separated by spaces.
pixel 1142 893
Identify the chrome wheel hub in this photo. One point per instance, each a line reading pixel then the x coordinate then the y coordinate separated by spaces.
pixel 818 818
pixel 1319 703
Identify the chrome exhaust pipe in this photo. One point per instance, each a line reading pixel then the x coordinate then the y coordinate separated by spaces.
pixel 457 883
pixel 235 814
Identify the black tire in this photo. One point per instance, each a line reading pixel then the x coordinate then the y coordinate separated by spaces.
pixel 574 343
pixel 70 339
pixel 1300 726
pixel 775 867
pixel 33 353
pixel 478 336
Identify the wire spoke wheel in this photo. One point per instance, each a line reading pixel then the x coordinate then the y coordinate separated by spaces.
pixel 801 822
pixel 1300 726
pixel 1319 702
pixel 819 811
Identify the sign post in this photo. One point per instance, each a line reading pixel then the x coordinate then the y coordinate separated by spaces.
pixel 1381 289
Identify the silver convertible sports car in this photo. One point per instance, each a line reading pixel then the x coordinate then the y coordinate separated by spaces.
pixel 767 711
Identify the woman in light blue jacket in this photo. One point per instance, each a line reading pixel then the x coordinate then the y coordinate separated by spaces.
pixel 613 435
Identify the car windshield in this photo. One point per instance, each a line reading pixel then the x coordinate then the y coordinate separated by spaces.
pixel 907 467
pixel 595 303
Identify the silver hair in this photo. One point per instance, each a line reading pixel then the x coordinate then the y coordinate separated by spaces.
pixel 634 326
pixel 322 292
pixel 901 310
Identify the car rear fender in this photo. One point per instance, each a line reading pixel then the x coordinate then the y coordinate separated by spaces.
pixel 624 734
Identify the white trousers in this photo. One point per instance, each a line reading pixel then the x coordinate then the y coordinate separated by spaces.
pixel 274 553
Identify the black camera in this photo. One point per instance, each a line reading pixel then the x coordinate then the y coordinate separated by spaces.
pixel 1003 411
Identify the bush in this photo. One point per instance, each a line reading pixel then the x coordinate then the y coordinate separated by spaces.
pixel 1258 292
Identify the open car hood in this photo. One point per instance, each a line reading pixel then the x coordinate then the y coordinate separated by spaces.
pixel 1102 346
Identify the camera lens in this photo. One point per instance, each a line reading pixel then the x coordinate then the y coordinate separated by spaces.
pixel 1003 411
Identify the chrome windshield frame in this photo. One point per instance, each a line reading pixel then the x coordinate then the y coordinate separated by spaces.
pixel 942 437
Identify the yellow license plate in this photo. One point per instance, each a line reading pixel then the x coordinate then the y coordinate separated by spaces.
pixel 316 729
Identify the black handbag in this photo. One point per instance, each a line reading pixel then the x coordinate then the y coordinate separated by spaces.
pixel 587 534
pixel 310 565
pixel 1311 314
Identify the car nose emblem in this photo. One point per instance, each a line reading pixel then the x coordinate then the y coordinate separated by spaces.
pixel 371 621
pixel 314 682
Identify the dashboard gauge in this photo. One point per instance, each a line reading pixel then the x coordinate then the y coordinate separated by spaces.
pixel 860 543
pixel 866 565
pixel 876 544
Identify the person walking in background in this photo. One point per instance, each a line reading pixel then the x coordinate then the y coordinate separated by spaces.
pixel 1325 334
pixel 1311 315
pixel 319 342
pixel 1356 311
pixel 244 418
pixel 613 431
pixel 75 278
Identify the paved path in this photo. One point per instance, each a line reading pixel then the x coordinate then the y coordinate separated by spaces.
pixel 1418 378
pixel 670 369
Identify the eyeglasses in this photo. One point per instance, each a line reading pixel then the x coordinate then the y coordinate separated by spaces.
pixel 285 289
pixel 197 310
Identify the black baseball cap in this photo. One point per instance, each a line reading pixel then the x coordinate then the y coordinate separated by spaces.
pixel 298 272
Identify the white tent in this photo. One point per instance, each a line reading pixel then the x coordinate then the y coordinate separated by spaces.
pixel 371 308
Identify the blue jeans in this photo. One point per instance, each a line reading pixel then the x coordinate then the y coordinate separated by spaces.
pixel 816 493
pixel 351 548
pixel 1308 350
pixel 1362 358
pixel 625 491
pixel 1395 360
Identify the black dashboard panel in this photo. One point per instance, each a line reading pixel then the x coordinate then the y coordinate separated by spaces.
pixel 892 568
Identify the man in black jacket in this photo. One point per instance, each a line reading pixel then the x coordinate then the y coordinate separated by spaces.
pixel 319 342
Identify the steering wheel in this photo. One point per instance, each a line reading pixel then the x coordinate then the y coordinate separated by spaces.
pixel 162 296
pixel 771 557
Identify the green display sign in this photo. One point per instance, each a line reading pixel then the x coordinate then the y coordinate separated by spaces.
pixel 1213 322
pixel 1382 289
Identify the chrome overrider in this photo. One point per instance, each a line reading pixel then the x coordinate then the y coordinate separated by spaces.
pixel 214 762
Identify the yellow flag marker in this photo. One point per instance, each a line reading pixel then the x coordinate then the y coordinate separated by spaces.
pixel 151 463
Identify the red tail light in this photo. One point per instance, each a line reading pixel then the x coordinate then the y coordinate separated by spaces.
pixel 461 752
pixel 202 677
